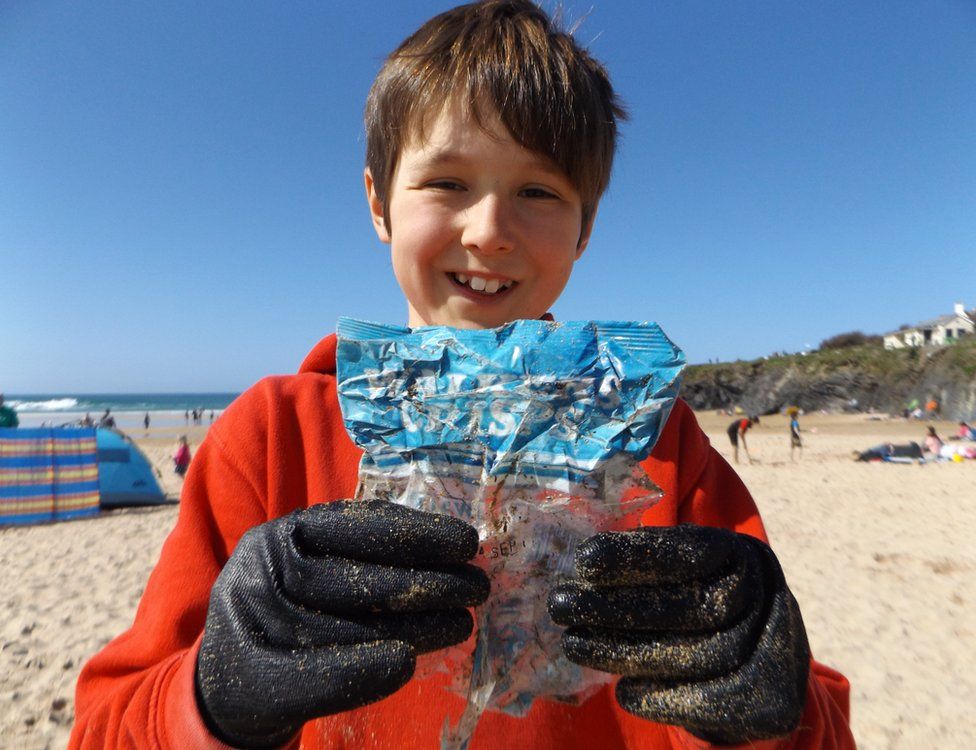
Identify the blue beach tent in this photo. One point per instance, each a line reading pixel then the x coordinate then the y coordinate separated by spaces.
pixel 125 476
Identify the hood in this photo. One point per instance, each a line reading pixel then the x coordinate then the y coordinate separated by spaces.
pixel 322 358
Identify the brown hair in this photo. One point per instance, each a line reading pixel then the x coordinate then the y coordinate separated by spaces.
pixel 505 57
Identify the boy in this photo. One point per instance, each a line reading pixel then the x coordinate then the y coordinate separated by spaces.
pixel 280 612
pixel 795 440
pixel 737 432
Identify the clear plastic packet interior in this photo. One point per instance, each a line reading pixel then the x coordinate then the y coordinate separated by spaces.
pixel 533 433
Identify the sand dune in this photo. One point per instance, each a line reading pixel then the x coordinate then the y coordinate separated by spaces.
pixel 880 557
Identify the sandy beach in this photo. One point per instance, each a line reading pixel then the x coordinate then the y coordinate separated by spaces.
pixel 880 557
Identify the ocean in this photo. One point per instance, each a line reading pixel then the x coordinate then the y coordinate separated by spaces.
pixel 129 409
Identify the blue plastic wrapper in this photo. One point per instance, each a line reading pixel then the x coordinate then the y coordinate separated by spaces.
pixel 533 433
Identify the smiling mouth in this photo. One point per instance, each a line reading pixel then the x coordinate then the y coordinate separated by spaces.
pixel 480 285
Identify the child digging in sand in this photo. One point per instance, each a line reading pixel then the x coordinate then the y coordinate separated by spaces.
pixel 737 434
pixel 282 613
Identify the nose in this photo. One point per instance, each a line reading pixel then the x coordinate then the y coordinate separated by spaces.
pixel 488 226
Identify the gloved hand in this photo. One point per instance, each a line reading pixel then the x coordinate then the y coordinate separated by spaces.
pixel 323 611
pixel 700 623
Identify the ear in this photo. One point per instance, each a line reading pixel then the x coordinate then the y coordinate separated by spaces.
pixel 585 233
pixel 376 208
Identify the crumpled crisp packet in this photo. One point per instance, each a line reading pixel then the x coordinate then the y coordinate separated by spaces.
pixel 533 433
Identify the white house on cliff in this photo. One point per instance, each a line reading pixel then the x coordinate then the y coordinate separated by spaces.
pixel 936 332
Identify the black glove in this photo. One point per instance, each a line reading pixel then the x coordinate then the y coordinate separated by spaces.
pixel 323 611
pixel 700 623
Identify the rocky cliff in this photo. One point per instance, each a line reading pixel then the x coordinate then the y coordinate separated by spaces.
pixel 832 379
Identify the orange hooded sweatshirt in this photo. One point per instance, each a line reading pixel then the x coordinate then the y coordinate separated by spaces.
pixel 282 446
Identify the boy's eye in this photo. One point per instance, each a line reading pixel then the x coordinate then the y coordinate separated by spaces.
pixel 445 185
pixel 536 192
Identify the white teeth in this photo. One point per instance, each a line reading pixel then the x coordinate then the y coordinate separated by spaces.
pixel 479 284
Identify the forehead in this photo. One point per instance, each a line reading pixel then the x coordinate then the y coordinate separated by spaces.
pixel 454 132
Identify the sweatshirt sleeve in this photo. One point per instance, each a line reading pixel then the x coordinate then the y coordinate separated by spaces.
pixel 710 493
pixel 138 692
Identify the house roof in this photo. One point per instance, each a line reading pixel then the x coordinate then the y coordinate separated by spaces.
pixel 939 321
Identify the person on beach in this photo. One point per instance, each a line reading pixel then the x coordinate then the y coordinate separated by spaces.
pixel 932 444
pixel 874 453
pixel 181 459
pixel 107 420
pixel 737 433
pixel 145 422
pixel 282 614
pixel 795 441
pixel 889 452
pixel 8 417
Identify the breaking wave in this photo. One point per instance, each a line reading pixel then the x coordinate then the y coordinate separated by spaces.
pixel 54 404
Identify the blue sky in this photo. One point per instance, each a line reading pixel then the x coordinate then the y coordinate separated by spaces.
pixel 180 183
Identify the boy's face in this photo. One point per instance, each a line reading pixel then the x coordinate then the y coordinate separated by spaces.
pixel 483 231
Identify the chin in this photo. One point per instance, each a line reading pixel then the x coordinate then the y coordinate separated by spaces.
pixel 475 319
pixel 470 324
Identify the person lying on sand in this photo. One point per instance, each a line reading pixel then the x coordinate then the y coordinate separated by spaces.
pixel 885 451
